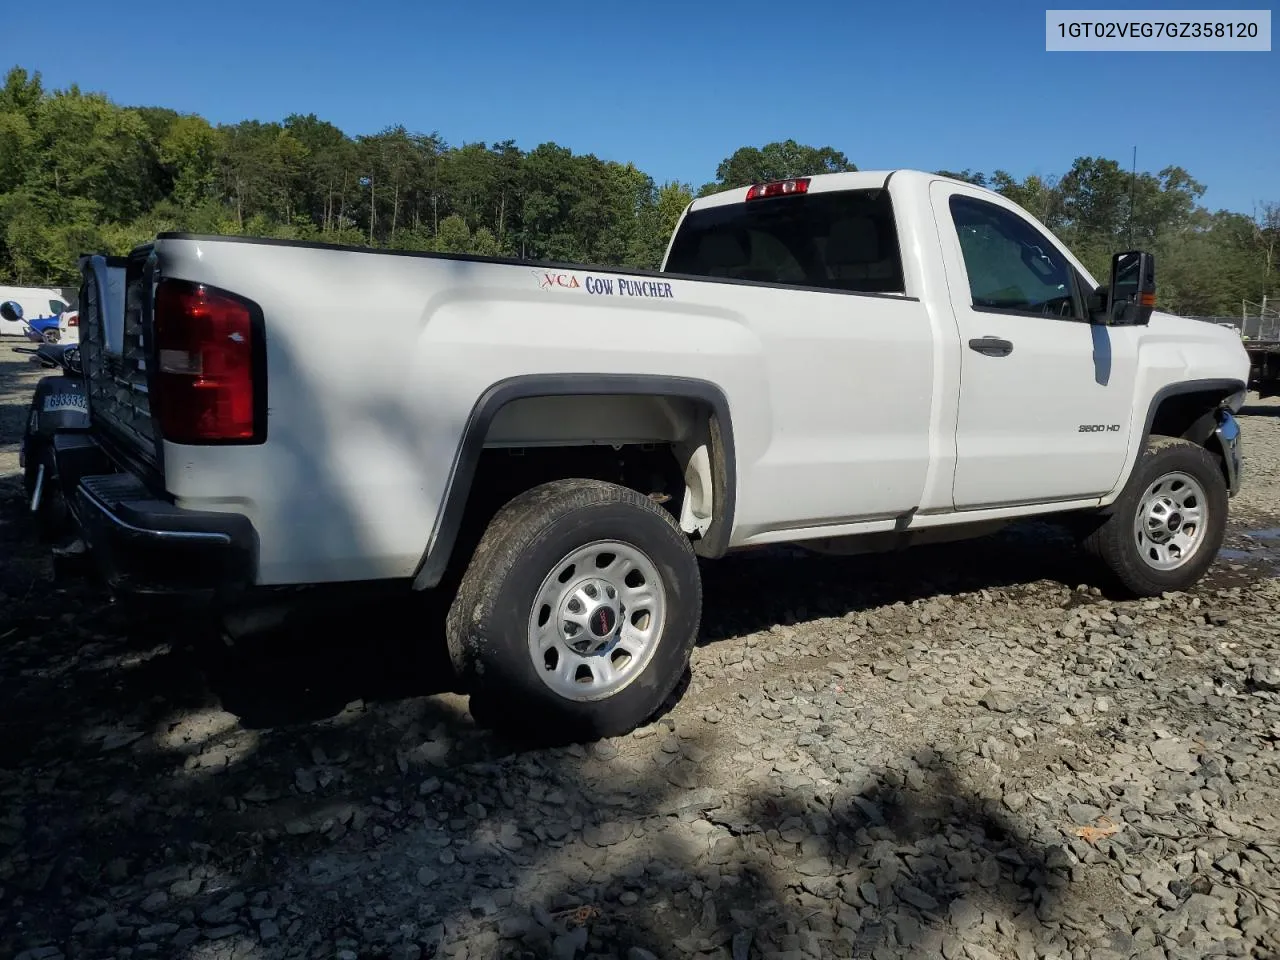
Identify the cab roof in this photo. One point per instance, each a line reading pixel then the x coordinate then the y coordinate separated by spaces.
pixel 829 182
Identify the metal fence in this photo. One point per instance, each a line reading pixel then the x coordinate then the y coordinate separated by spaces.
pixel 1263 327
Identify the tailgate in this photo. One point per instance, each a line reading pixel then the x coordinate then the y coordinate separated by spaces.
pixel 115 309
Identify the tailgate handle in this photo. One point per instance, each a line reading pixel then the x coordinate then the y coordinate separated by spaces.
pixel 991 346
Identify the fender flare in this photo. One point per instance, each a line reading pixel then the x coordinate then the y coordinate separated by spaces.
pixel 435 559
pixel 1221 385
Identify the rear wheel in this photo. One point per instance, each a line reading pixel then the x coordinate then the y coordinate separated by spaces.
pixel 577 614
pixel 1167 526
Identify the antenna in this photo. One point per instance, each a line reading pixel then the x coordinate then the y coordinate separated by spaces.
pixel 1133 180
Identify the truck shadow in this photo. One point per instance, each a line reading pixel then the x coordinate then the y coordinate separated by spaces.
pixel 386 648
pixel 327 656
pixel 907 859
pixel 792 586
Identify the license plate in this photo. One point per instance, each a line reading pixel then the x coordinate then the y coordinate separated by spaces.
pixel 56 402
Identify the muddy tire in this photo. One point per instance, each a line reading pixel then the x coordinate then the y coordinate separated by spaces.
pixel 577 613
pixel 1167 526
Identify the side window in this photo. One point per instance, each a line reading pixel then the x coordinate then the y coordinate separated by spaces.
pixel 1012 267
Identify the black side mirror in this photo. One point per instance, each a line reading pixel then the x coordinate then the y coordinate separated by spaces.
pixel 1132 294
pixel 11 310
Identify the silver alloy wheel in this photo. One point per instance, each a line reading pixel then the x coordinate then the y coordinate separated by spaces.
pixel 1170 522
pixel 597 620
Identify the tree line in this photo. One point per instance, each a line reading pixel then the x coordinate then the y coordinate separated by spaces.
pixel 81 173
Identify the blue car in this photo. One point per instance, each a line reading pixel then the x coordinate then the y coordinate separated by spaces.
pixel 42 329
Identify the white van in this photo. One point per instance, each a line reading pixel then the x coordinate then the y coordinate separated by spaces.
pixel 36 302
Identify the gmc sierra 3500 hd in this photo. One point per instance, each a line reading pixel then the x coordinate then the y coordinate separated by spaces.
pixel 855 361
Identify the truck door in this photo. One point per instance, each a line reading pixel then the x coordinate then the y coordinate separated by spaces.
pixel 1045 396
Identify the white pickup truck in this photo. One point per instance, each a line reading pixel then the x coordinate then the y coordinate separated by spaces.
pixel 855 361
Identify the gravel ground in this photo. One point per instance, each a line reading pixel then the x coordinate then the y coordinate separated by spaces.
pixel 956 752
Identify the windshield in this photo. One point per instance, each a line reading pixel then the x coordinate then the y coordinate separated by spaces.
pixel 842 240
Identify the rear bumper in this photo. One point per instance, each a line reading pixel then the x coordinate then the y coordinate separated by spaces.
pixel 145 545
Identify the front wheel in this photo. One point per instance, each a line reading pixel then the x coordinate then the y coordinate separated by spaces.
pixel 1167 526
pixel 577 614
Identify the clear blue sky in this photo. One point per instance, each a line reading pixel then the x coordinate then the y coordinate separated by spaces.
pixel 676 87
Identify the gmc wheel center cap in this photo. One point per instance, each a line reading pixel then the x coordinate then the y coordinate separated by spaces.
pixel 603 619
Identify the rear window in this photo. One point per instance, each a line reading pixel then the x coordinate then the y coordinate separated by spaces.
pixel 844 240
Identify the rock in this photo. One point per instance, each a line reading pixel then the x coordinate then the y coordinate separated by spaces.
pixel 1265 677
pixel 166 876
pixel 268 930
pixel 918 898
pixel 606 834
pixel 117 869
pixel 824 887
pixel 683 774
pixel 513 928
pixel 185 937
pixel 1083 813
pixel 155 902
pixel 185 889
pixel 305 780
pixel 41 953
pixel 1174 754
pixel 158 931
pixel 639 953
pixel 483 905
pixel 118 739
pixel 964 913
pixel 427 876
pixel 999 701
pixel 567 945
pixel 814 867
pixel 628 898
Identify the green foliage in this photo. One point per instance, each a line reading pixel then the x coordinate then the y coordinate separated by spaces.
pixel 79 173
pixel 776 161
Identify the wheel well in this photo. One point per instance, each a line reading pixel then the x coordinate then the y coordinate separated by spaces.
pixel 1187 415
pixel 1191 416
pixel 678 450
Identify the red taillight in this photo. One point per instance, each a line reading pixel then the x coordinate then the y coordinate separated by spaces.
pixel 73 320
pixel 204 380
pixel 778 188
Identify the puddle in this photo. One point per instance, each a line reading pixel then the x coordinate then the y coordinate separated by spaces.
pixel 1258 549
pixel 1227 553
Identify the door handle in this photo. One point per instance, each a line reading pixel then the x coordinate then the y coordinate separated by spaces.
pixel 991 346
